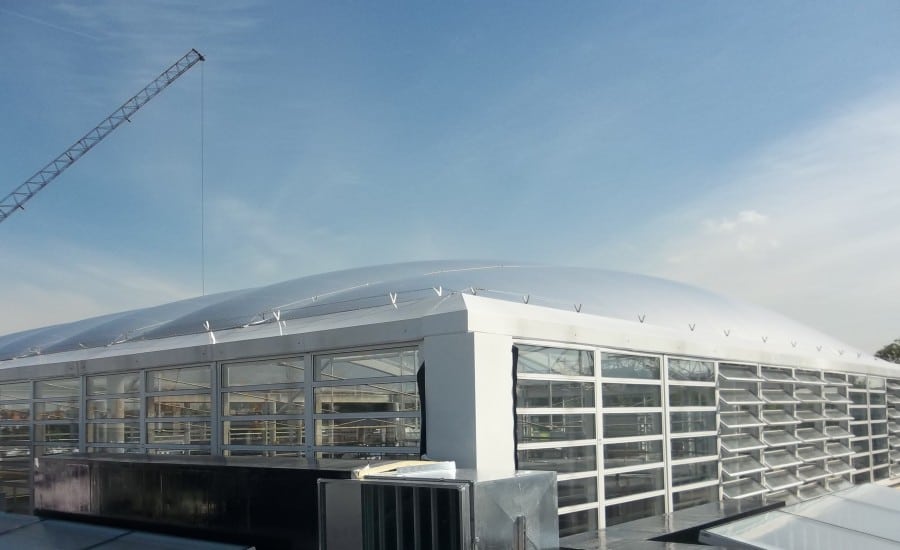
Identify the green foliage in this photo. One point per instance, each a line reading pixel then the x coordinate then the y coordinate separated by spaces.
pixel 890 352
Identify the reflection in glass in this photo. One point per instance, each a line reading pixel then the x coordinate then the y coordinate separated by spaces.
pixel 264 432
pixel 402 362
pixel 362 398
pixel 543 360
pixel 631 395
pixel 560 459
pixel 264 402
pixel 631 424
pixel 189 378
pixel 128 382
pixel 619 455
pixel 163 406
pixel 267 372
pixel 689 369
pixel 620 365
pixel 554 394
pixel 368 432
pixel 555 427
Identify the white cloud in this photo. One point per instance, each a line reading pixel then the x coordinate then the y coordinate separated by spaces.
pixel 820 235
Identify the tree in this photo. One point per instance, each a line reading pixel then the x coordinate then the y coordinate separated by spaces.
pixel 890 352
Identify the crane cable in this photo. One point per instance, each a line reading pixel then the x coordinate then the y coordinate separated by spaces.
pixel 202 188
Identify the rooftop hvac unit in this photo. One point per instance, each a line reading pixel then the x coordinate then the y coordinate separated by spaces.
pixel 458 510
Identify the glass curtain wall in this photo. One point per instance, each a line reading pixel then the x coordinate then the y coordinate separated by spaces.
pixel 366 405
pixel 15 446
pixel 556 427
pixel 634 446
pixel 693 433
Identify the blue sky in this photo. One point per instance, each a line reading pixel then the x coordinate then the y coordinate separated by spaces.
pixel 749 148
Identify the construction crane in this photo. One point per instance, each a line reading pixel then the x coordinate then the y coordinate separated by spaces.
pixel 23 193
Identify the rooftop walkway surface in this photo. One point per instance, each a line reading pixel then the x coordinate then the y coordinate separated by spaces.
pixel 19 532
pixel 673 531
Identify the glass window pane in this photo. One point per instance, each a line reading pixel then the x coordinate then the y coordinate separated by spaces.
pixel 543 360
pixel 264 432
pixel 16 434
pixel 631 395
pixel 560 459
pixel 113 383
pixel 120 432
pixel 190 378
pixel 689 369
pixel 686 474
pixel 693 421
pixel 555 427
pixel 692 447
pixel 15 411
pixel 62 387
pixel 619 455
pixel 270 371
pixel 620 365
pixel 632 424
pixel 367 365
pixel 57 433
pixel 577 522
pixel 633 483
pixel 367 398
pixel 16 390
pixel 576 491
pixel 370 432
pixel 56 410
pixel 636 509
pixel 692 396
pixel 281 402
pixel 695 497
pixel 178 433
pixel 554 394
pixel 128 407
pixel 177 405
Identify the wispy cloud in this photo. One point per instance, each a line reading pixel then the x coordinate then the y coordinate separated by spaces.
pixel 809 227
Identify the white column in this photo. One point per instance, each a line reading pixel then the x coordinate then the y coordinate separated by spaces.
pixel 468 399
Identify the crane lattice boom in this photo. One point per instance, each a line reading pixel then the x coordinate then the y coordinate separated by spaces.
pixel 23 193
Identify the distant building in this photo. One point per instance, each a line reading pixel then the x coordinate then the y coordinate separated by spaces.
pixel 645 395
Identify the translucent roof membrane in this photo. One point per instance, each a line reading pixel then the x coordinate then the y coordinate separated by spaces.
pixel 777 438
pixel 806 395
pixel 739 419
pixel 779 480
pixel 838 450
pixel 777 375
pixel 740 442
pixel 737 373
pixel 811 454
pixel 836 379
pixel 777 396
pixel 811 472
pixel 743 489
pixel 741 465
pixel 838 467
pixel 836 432
pixel 811 490
pixel 808 378
pixel 836 414
pixel 738 397
pixel 778 417
pixel 780 459
pixel 807 415
pixel 809 435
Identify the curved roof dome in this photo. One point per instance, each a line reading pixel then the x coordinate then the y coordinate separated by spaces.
pixel 610 294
